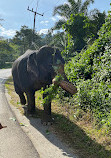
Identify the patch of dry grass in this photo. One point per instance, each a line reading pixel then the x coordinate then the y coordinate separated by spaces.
pixel 80 135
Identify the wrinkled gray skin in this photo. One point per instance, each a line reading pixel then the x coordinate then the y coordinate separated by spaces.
pixel 34 70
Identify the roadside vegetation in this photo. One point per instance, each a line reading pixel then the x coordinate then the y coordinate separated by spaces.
pixel 84 119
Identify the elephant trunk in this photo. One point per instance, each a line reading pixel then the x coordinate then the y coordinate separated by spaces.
pixel 65 84
pixel 61 71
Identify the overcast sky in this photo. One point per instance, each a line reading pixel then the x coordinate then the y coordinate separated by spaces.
pixel 15 14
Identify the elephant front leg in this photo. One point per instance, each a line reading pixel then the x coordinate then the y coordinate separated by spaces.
pixel 47 119
pixel 31 102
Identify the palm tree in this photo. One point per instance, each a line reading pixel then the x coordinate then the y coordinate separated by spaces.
pixel 72 7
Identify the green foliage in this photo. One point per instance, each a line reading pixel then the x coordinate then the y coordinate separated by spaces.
pixel 77 27
pixel 72 7
pixel 51 91
pixel 25 38
pixel 91 71
pixel 97 20
pixel 81 30
pixel 68 51
pixel 59 40
pixel 6 52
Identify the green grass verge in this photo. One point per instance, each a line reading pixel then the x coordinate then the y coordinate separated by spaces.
pixel 80 135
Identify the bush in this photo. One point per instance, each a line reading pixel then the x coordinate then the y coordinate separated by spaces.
pixel 91 71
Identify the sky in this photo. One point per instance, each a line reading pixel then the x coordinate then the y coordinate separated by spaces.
pixel 15 14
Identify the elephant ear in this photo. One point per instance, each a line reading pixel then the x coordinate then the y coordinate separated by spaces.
pixel 32 66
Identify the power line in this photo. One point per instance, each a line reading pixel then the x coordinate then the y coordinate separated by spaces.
pixel 37 2
pixel 52 7
pixel 31 2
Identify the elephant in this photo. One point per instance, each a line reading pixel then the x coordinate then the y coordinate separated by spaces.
pixel 35 70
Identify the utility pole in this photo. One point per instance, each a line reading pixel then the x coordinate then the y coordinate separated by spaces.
pixel 35 13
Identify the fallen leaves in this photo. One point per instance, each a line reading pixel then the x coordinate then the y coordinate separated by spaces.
pixel 22 124
pixel 13 119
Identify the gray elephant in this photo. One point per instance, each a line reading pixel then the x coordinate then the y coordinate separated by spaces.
pixel 34 70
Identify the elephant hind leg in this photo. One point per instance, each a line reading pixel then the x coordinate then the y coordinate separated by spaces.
pixel 22 98
pixel 31 102
pixel 21 95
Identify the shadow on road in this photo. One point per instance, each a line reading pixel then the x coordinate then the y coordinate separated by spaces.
pixel 47 132
pixel 73 135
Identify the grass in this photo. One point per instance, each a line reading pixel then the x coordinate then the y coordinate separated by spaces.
pixel 80 134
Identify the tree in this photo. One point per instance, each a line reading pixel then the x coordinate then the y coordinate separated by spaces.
pixel 25 37
pixel 60 40
pixel 79 28
pixel 47 38
pixel 72 7
pixel 97 19
pixel 6 53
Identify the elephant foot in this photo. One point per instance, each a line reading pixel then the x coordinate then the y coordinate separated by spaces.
pixel 25 108
pixel 30 113
pixel 47 120
pixel 23 101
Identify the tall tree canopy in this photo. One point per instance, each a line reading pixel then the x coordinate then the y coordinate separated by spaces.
pixel 83 29
pixel 72 7
pixel 25 38
pixel 6 52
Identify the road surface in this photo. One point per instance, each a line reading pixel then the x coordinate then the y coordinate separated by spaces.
pixel 14 143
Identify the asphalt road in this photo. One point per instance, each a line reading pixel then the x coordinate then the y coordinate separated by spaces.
pixel 14 143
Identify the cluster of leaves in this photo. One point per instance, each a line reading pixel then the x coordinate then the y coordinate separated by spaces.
pixel 81 29
pixel 8 52
pixel 91 70
pixel 72 7
pixel 5 53
pixel 51 91
pixel 27 39
pixel 78 26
